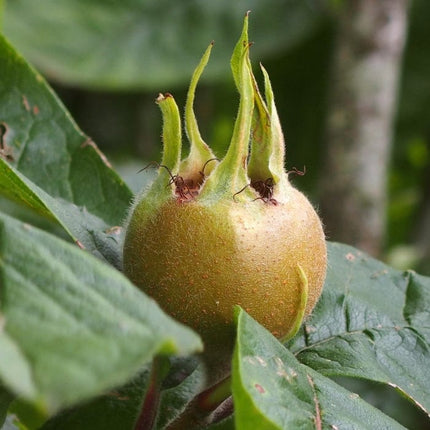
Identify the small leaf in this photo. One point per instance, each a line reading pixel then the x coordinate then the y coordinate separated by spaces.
pixel 371 322
pixel 272 390
pixel 73 326
pixel 47 151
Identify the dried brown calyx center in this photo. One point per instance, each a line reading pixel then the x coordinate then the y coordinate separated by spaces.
pixel 187 188
pixel 263 188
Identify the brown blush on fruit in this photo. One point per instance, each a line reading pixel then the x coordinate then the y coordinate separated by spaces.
pixel 198 261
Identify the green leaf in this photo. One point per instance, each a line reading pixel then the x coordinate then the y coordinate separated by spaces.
pixel 144 44
pixel 87 230
pixel 12 423
pixel 119 408
pixel 372 322
pixel 73 326
pixel 27 415
pixel 272 390
pixel 225 424
pixel 5 400
pixel 175 396
pixel 51 166
pixel 115 410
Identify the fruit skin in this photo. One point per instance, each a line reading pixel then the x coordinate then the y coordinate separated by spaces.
pixel 198 260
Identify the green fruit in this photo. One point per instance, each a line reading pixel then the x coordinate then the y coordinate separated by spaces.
pixel 237 233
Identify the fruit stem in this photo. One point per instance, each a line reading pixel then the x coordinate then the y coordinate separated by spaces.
pixel 211 398
pixel 150 405
pixel 200 152
pixel 231 173
pixel 301 308
pixel 198 412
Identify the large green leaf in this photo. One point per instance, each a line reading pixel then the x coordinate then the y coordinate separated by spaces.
pixel 372 322
pixel 87 230
pixel 273 390
pixel 50 165
pixel 119 408
pixel 179 390
pixel 145 43
pixel 73 327
pixel 114 410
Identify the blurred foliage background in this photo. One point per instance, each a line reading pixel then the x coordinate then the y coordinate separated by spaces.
pixel 108 60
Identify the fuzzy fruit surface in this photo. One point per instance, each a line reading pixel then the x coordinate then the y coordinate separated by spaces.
pixel 199 260
pixel 210 234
